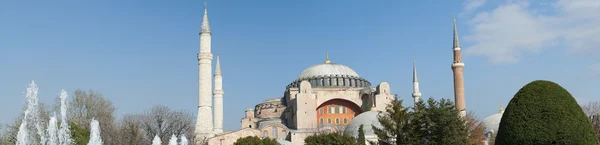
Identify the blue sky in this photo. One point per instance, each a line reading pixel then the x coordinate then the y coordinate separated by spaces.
pixel 141 53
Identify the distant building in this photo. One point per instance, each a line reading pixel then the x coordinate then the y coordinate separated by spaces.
pixel 325 97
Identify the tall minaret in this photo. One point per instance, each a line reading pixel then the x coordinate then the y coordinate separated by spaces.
pixel 457 69
pixel 204 123
pixel 218 96
pixel 416 93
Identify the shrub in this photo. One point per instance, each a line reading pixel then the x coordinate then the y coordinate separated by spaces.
pixel 542 112
pixel 330 139
pixel 253 140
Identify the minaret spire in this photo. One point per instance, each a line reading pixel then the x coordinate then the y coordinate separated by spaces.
pixel 218 98
pixel 416 93
pixel 204 122
pixel 205 24
pixel 456 42
pixel 457 69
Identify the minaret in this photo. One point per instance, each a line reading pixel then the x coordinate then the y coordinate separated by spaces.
pixel 218 96
pixel 416 93
pixel 204 123
pixel 457 69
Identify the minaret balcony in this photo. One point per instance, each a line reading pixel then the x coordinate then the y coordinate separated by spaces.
pixel 458 64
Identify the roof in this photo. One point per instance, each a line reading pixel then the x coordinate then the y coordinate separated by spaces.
pixel 367 119
pixel 327 69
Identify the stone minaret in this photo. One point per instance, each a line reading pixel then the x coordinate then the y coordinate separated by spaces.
pixel 204 123
pixel 457 69
pixel 416 93
pixel 218 96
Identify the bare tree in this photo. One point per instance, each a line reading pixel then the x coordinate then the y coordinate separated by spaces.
pixel 87 105
pixel 476 130
pixel 164 122
pixel 592 108
pixel 130 131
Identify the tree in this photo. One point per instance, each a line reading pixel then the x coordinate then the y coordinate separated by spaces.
pixel 394 124
pixel 591 108
pixel 361 136
pixel 164 122
pixel 79 134
pixel 476 130
pixel 130 130
pixel 437 122
pixel 543 112
pixel 91 104
pixel 253 140
pixel 330 139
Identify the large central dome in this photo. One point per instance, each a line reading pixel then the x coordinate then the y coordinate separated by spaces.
pixel 328 69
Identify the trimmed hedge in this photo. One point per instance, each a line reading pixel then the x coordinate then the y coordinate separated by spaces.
pixel 543 112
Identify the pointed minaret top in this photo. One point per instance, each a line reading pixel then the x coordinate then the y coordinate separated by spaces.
pixel 456 43
pixel 205 25
pixel 218 67
pixel 327 57
pixel 415 78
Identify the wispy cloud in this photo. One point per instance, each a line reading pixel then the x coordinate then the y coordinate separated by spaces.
pixel 472 5
pixel 514 29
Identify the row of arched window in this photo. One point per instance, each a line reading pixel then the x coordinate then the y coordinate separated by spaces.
pixel 336 109
pixel 337 121
pixel 274 134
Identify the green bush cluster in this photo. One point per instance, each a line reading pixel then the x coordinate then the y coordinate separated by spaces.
pixel 543 112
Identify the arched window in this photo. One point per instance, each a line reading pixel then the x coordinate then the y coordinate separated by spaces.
pixel 283 135
pixel 337 109
pixel 250 126
pixel 328 120
pixel 265 134
pixel 321 111
pixel 345 121
pixel 337 121
pixel 330 109
pixel 274 130
pixel 321 121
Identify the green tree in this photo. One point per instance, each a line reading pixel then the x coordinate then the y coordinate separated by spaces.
pixel 543 112
pixel 361 136
pixel 80 135
pixel 434 123
pixel 394 124
pixel 330 139
pixel 253 140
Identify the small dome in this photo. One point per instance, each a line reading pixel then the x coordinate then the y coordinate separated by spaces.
pixel 284 142
pixel 367 119
pixel 327 69
pixel 491 123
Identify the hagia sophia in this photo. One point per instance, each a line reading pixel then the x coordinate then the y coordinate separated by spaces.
pixel 326 97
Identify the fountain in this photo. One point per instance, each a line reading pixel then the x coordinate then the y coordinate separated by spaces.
pixel 52 135
pixel 173 140
pixel 95 138
pixel 23 135
pixel 31 115
pixel 156 140
pixel 64 134
pixel 52 131
pixel 184 140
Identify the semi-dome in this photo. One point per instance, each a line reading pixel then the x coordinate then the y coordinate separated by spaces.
pixel 367 119
pixel 491 123
pixel 328 69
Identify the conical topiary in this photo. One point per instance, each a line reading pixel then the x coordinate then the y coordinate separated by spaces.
pixel 543 112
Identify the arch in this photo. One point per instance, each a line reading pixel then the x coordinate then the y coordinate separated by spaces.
pixel 337 110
